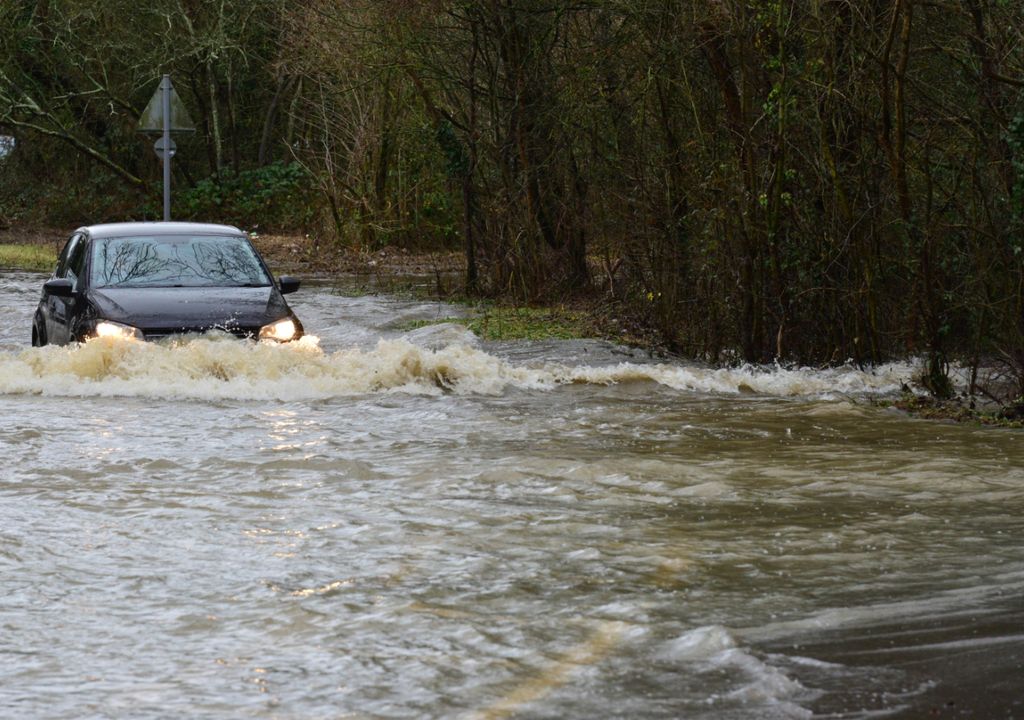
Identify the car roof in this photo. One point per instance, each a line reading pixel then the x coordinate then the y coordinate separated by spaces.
pixel 158 228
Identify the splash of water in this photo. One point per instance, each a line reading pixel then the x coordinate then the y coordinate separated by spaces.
pixel 216 368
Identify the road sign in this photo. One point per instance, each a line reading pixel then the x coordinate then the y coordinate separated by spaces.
pixel 158 147
pixel 152 120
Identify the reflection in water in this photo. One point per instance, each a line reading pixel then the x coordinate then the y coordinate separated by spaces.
pixel 434 527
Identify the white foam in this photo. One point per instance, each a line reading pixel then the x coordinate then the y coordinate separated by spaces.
pixel 441 335
pixel 700 644
pixel 710 489
pixel 713 648
pixel 225 368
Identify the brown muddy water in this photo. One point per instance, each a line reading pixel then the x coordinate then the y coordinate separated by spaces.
pixel 395 524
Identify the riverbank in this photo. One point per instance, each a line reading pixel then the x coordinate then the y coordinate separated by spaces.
pixel 959 410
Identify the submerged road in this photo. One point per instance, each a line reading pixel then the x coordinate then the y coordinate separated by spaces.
pixel 413 524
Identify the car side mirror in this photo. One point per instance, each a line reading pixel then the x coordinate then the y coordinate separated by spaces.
pixel 59 287
pixel 288 284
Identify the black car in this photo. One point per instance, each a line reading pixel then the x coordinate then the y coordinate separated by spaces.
pixel 151 280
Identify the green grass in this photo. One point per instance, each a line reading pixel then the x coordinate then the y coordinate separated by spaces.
pixel 523 323
pixel 27 257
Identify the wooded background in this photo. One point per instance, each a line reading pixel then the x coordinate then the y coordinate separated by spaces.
pixel 812 181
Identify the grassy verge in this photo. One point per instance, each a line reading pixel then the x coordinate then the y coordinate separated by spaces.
pixel 28 257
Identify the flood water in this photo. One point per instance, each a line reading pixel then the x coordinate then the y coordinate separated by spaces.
pixel 415 524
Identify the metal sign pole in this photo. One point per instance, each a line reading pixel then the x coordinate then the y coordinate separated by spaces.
pixel 165 114
pixel 165 87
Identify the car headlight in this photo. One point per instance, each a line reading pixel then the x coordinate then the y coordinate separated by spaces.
pixel 282 330
pixel 106 328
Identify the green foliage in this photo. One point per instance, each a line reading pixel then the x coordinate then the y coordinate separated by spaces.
pixel 14 196
pixel 456 161
pixel 273 197
pixel 440 214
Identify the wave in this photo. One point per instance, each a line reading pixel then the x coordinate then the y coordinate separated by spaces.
pixel 211 367
pixel 713 649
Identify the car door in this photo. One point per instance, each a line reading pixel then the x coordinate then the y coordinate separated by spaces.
pixel 63 311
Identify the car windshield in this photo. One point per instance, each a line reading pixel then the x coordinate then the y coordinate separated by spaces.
pixel 176 261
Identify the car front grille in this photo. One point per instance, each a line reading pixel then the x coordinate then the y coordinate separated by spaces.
pixel 161 333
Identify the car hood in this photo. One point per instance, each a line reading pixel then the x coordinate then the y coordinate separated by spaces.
pixel 189 308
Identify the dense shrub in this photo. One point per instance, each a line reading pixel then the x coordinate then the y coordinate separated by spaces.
pixel 274 197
